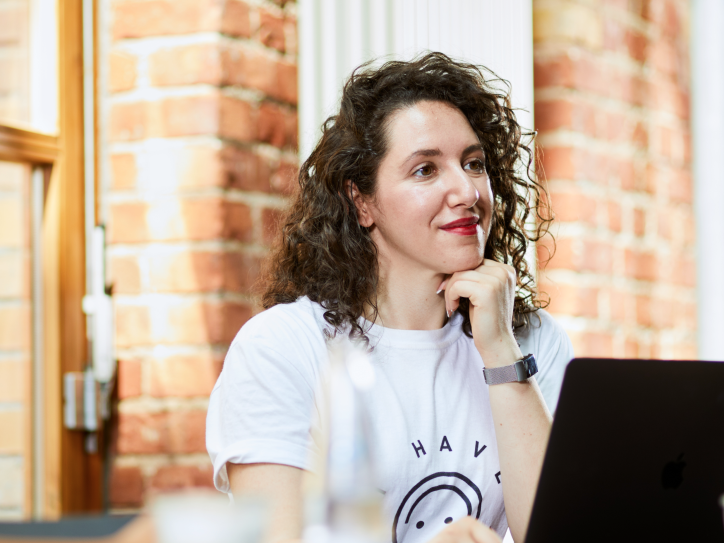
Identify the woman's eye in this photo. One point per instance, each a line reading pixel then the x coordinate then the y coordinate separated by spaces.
pixel 425 171
pixel 476 166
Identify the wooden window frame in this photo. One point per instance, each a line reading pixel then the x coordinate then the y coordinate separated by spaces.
pixel 27 146
pixel 72 478
pixel 40 152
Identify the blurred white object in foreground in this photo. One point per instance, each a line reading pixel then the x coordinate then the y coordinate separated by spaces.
pixel 208 517
pixel 352 500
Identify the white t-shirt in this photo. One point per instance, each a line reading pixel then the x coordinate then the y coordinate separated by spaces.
pixel 432 430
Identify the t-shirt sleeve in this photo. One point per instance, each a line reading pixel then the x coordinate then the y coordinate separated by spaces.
pixel 260 409
pixel 553 351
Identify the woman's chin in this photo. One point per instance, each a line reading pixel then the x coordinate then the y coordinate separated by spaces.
pixel 462 264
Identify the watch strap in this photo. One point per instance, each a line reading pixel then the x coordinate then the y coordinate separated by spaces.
pixel 520 371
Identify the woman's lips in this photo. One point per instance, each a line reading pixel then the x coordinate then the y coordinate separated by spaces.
pixel 463 230
pixel 462 227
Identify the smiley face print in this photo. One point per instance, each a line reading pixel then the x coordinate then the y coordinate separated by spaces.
pixel 437 500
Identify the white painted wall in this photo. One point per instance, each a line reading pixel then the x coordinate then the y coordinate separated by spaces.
pixel 707 68
pixel 338 35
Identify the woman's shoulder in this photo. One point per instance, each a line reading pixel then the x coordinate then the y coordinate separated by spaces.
pixel 293 321
pixel 541 326
pixel 284 340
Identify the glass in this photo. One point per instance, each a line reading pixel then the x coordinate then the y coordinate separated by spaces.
pixel 15 61
pixel 28 65
pixel 15 334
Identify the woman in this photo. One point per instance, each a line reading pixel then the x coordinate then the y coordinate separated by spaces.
pixel 407 233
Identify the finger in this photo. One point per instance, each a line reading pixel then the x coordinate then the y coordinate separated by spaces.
pixel 500 279
pixel 489 265
pixel 476 291
pixel 469 530
pixel 482 534
pixel 443 284
pixel 451 304
pixel 505 274
pixel 492 267
pixel 453 293
pixel 495 264
pixel 492 264
pixel 502 274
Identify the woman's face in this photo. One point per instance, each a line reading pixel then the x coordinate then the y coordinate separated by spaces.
pixel 433 203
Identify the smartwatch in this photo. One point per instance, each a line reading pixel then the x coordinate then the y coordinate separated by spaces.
pixel 518 372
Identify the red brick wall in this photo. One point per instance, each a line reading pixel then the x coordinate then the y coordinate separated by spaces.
pixel 15 340
pixel 202 132
pixel 612 110
pixel 15 270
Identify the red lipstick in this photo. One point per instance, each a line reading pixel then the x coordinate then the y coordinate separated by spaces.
pixel 463 227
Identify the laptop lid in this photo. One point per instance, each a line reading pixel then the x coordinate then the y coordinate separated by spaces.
pixel 636 453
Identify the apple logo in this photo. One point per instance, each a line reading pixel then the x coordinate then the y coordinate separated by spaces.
pixel 673 474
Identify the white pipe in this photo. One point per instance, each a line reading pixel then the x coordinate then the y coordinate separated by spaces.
pixel 102 45
pixel 89 148
pixel 707 69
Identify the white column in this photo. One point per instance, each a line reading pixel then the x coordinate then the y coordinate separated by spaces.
pixel 707 68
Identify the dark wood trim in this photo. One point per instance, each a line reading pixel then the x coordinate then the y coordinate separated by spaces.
pixel 23 145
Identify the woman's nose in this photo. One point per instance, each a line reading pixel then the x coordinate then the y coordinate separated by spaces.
pixel 462 191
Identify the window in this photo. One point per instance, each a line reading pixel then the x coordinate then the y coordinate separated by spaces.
pixel 41 192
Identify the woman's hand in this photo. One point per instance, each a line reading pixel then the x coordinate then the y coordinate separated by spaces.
pixel 466 530
pixel 491 291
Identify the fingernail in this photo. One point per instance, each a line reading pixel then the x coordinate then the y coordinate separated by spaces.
pixel 447 313
pixel 439 291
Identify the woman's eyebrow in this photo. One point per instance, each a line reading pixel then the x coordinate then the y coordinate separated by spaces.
pixel 424 152
pixel 474 147
pixel 437 152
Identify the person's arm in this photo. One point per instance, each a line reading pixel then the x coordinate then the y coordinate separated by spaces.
pixel 281 487
pixel 260 414
pixel 522 428
pixel 522 420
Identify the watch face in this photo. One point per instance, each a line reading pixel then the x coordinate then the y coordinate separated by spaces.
pixel 532 366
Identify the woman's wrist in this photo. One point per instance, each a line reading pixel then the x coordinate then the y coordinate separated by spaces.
pixel 507 352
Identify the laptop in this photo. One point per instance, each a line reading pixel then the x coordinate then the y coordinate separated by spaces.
pixel 636 454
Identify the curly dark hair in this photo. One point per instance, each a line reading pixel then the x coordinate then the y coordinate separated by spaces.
pixel 323 252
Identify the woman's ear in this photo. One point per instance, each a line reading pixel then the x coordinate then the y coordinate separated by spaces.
pixel 363 214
